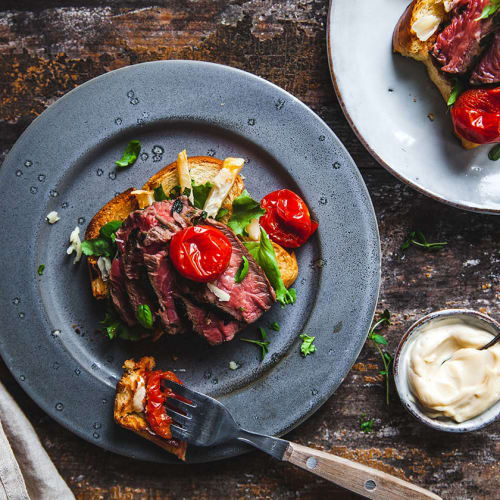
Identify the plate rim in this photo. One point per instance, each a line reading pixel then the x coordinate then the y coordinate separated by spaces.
pixel 108 445
pixel 371 150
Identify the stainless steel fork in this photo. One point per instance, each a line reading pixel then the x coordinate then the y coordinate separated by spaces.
pixel 207 422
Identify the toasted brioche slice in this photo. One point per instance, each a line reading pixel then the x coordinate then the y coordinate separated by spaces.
pixel 406 41
pixel 127 416
pixel 202 169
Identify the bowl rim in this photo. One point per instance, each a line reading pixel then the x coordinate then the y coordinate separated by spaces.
pixel 412 408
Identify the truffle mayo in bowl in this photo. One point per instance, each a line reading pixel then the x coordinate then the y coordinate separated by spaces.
pixel 442 376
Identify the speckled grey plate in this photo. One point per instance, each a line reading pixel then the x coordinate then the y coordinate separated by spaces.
pixel 65 162
pixel 387 99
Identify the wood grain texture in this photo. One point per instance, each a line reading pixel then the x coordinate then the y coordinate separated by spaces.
pixel 47 48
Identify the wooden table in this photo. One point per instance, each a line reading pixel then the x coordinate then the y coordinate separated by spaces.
pixel 47 48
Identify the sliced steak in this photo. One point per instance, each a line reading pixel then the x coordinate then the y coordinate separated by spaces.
pixel 210 324
pixel 249 299
pixel 119 295
pixel 458 44
pixel 488 69
pixel 162 278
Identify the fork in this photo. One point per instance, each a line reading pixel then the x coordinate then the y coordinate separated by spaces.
pixel 204 421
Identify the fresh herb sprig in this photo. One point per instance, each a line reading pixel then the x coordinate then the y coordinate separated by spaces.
pixel 104 245
pixel 307 346
pixel 494 153
pixel 40 269
pixel 378 340
pixel 366 424
pixel 263 344
pixel 418 239
pixel 458 88
pixel 242 270
pixel 116 328
pixel 489 10
pixel 130 154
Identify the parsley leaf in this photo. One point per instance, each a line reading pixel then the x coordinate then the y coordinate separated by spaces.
pixel 417 238
pixel 307 346
pixel 109 229
pixel 263 344
pixel 130 155
pixel 489 10
pixel 40 269
pixel 366 425
pixel 144 316
pixel 200 193
pixel 242 271
pixel 159 193
pixel 494 153
pixel 458 88
pixel 263 252
pixel 245 210
pixel 378 340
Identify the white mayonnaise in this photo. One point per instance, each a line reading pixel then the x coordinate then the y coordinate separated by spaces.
pixel 449 375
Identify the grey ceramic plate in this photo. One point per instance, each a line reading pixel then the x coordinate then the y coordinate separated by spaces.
pixel 387 99
pixel 65 162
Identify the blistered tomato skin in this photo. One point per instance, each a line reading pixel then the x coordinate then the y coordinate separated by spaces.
pixel 287 220
pixel 156 397
pixel 200 253
pixel 476 115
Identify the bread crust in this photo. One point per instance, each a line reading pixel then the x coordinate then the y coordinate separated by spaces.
pixel 127 417
pixel 406 43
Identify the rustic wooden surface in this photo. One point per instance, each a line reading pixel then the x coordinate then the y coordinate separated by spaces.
pixel 47 48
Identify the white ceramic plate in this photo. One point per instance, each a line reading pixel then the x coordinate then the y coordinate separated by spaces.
pixel 387 99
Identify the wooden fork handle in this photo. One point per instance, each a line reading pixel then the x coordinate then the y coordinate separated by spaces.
pixel 353 476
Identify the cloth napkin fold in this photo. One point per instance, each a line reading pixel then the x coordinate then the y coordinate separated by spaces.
pixel 26 471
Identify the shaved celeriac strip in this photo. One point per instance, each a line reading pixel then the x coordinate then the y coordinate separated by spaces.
pixel 144 198
pixel 222 184
pixel 184 175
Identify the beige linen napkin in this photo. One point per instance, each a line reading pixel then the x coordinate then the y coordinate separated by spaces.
pixel 26 471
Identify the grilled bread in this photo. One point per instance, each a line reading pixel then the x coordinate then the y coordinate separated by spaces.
pixel 127 414
pixel 415 35
pixel 202 169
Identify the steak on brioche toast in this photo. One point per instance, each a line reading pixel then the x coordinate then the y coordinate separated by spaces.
pixel 459 43
pixel 153 229
pixel 136 394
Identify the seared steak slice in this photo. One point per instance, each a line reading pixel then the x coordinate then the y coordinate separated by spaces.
pixel 210 324
pixel 249 299
pixel 162 278
pixel 458 44
pixel 119 295
pixel 488 69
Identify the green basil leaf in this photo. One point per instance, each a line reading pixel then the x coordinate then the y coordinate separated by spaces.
pixel 98 247
pixel 221 213
pixel 307 346
pixel 378 339
pixel 109 229
pixel 275 326
pixel 489 10
pixel 159 194
pixel 175 192
pixel 129 333
pixel 263 252
pixel 144 316
pixel 130 155
pixel 245 210
pixel 242 271
pixel 494 153
pixel 458 88
pixel 200 193
pixel 40 269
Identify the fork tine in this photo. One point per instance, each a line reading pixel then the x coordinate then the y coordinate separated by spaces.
pixel 177 404
pixel 179 433
pixel 178 417
pixel 181 390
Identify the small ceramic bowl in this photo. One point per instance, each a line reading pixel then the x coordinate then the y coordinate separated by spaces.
pixel 401 379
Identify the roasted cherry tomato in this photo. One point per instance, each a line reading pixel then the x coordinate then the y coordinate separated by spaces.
pixel 287 220
pixel 476 115
pixel 200 253
pixel 156 397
